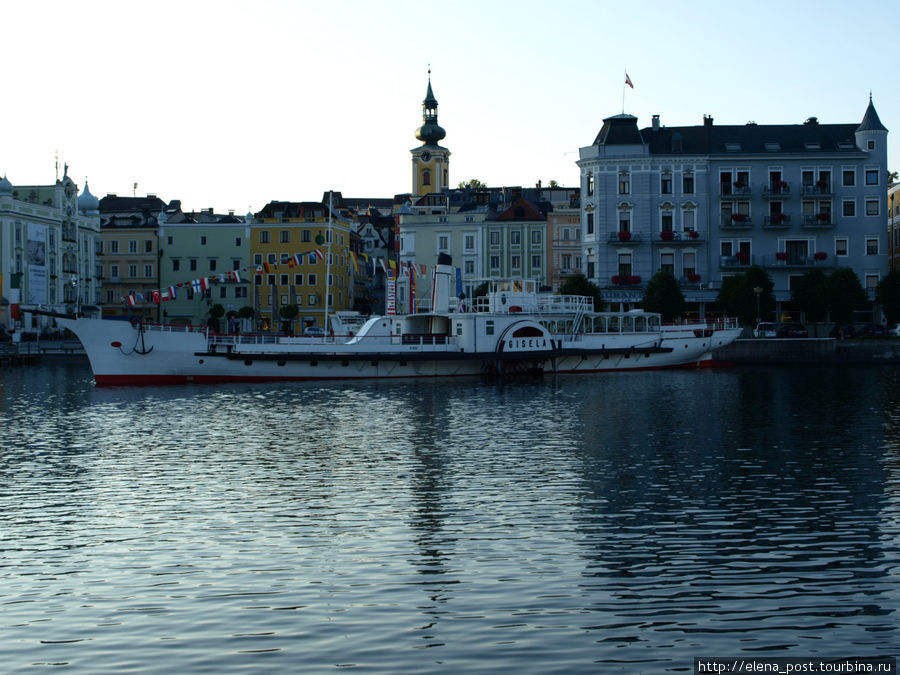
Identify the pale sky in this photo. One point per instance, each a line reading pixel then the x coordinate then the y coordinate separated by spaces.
pixel 230 104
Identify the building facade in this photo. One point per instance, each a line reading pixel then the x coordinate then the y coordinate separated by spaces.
pixel 708 201
pixel 49 243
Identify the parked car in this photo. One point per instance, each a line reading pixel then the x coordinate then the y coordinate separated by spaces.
pixel 765 330
pixel 314 331
pixel 870 329
pixel 843 330
pixel 894 330
pixel 792 330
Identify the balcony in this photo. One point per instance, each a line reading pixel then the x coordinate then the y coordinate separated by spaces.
pixel 690 281
pixel 739 261
pixel 667 237
pixel 625 281
pixel 736 221
pixel 819 221
pixel 777 189
pixel 822 188
pixel 777 221
pixel 785 260
pixel 624 238
pixel 735 189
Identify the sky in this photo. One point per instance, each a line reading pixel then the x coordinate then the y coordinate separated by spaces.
pixel 230 104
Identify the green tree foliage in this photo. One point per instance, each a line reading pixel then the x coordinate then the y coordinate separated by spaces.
pixel 845 294
pixel 810 293
pixel 738 298
pixel 578 284
pixel 888 296
pixel 217 311
pixel 245 312
pixel 472 183
pixel 663 295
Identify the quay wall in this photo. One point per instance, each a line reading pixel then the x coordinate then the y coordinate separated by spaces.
pixel 810 350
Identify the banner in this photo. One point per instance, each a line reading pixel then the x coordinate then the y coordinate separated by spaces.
pixel 36 259
pixel 390 300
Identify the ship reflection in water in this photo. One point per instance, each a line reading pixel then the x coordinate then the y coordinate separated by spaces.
pixel 626 522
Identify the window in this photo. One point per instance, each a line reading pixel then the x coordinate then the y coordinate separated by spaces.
pixel 270 258
pixel 203 240
pixel 624 183
pixel 236 264
pixel 170 240
pixel 848 208
pixel 176 264
pixel 495 262
pixel 113 270
pixel 284 236
pixel 443 242
pixel 515 238
pixel 426 177
pixel 192 264
pixel 590 223
pixel 688 220
pixel 312 299
pixel 285 279
pixel 470 267
pixel 665 186
pixel 132 271
pixel 666 221
pixel 257 258
pixel 687 183
pixel 871 245
pixel 849 177
pixel 590 185
pixel 667 263
pixel 469 242
pixel 223 291
pixel 132 246
pixel 148 246
pixel 298 280
pixel 311 280
pixel 840 247
pixel 213 263
pixel 312 258
pixel 536 237
pixel 240 291
pixel 689 263
pixel 516 262
pixel 306 235
pixel 264 237
pixel 495 238
pixel 113 246
pixel 624 221
pixel 270 279
pixel 566 262
pixel 237 242
pixel 624 264
pixel 536 262
pixel 871 207
pixel 870 145
pixel 871 176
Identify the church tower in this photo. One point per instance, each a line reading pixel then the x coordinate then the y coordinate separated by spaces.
pixel 430 161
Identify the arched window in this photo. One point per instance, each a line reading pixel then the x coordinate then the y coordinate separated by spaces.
pixel 426 177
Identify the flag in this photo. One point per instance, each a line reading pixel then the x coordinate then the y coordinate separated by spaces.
pixel 156 297
pixel 131 299
pixel 628 80
pixel 172 292
pixel 195 285
pixel 298 258
pixel 204 283
pixel 164 296
pixel 383 266
pixel 423 269
pixel 223 278
pixel 319 254
pixel 393 264
pixel 236 277
pixel 291 262
pixel 269 267
pixel 355 263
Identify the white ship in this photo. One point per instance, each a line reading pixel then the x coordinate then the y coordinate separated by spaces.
pixel 514 329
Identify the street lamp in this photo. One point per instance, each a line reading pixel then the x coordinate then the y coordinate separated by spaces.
pixel 758 291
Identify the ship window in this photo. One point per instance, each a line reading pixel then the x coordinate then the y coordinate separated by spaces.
pixel 489 328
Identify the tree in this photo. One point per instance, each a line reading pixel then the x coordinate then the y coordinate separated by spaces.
pixel 245 312
pixel 888 296
pixel 578 284
pixel 663 295
pixel 216 312
pixel 553 183
pixel 288 313
pixel 471 183
pixel 845 294
pixel 738 297
pixel 892 177
pixel 810 293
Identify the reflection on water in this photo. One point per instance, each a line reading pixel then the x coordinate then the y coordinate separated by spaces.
pixel 623 523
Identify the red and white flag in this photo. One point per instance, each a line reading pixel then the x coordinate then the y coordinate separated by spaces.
pixel 628 81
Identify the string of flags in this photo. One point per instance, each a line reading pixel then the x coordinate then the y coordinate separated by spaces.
pixel 234 276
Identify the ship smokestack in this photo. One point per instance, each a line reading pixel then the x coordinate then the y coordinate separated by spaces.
pixel 440 284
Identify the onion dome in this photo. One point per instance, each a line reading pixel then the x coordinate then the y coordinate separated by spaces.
pixel 430 132
pixel 88 203
pixel 6 187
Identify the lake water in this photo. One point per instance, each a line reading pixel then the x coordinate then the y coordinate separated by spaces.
pixel 626 522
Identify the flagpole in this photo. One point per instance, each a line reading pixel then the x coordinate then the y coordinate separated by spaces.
pixel 328 264
pixel 624 80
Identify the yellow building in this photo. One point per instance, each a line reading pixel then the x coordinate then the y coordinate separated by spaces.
pixel 430 161
pixel 299 256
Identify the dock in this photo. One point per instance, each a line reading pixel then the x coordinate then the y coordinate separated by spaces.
pixel 27 353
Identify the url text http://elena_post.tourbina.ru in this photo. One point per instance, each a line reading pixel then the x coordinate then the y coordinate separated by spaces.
pixel 789 666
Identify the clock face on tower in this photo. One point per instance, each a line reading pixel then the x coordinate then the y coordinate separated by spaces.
pixel 426 156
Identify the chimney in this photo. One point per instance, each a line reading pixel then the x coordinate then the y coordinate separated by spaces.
pixel 656 123
pixel 707 120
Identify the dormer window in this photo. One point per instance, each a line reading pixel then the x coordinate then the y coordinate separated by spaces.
pixel 733 147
